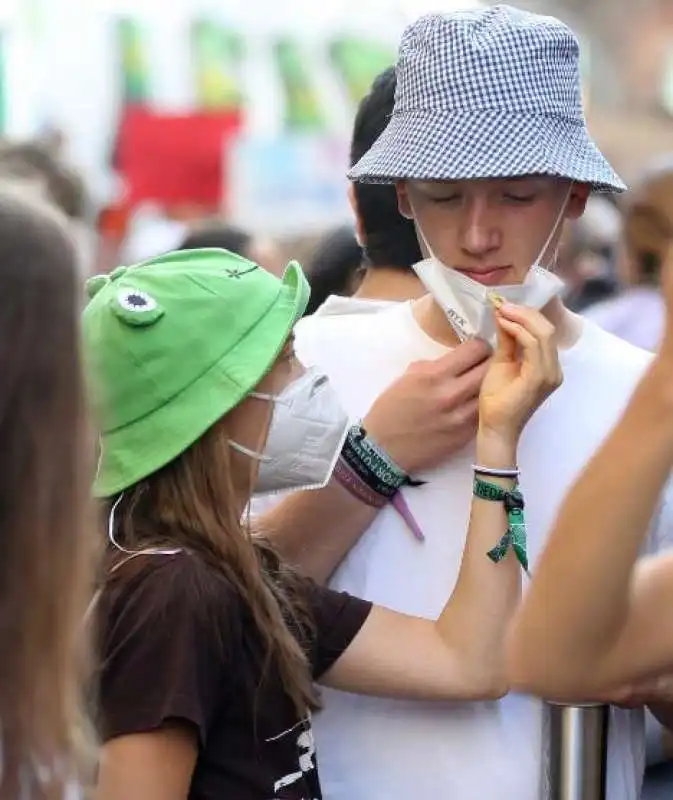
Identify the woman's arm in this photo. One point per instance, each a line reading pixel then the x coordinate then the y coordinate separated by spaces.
pixel 460 655
pixel 148 766
pixel 592 619
pixel 422 419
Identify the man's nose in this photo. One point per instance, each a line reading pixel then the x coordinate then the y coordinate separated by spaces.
pixel 479 232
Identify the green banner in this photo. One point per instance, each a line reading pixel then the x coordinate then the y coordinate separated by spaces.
pixel 133 61
pixel 303 109
pixel 358 62
pixel 217 55
pixel 3 83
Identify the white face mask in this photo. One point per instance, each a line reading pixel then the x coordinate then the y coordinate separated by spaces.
pixel 308 429
pixel 466 301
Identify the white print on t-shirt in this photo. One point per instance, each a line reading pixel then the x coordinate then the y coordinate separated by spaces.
pixel 306 748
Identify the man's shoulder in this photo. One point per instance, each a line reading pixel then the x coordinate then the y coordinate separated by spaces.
pixel 336 332
pixel 608 355
pixel 336 305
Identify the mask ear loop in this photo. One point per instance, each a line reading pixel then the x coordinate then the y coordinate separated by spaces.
pixel 545 246
pixel 246 451
pixel 111 526
pixel 462 336
pixel 423 237
pixel 115 543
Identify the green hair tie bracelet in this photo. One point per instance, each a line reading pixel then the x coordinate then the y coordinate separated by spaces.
pixel 515 536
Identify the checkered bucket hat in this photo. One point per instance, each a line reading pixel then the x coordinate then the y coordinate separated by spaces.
pixel 490 93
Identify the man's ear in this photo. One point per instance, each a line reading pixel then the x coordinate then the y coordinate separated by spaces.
pixel 359 227
pixel 403 204
pixel 577 203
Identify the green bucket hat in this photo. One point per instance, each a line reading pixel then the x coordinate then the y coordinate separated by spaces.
pixel 173 344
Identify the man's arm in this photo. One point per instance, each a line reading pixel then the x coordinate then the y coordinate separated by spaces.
pixel 420 421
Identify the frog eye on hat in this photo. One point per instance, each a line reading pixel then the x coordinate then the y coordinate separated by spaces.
pixel 136 307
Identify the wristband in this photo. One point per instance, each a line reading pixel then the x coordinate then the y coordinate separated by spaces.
pixel 350 481
pixel 368 470
pixel 496 473
pixel 368 473
pixel 371 462
pixel 515 536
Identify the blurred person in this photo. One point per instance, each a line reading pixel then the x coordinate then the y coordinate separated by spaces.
pixel 40 164
pixel 150 231
pixel 586 261
pixel 388 240
pixel 638 314
pixel 39 161
pixel 215 233
pixel 47 568
pixel 334 267
pixel 373 267
pixel 210 645
pixel 489 151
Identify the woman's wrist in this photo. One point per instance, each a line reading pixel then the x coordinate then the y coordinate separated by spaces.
pixel 496 450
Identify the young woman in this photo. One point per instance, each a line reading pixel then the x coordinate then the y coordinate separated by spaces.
pixel 46 570
pixel 615 627
pixel 210 646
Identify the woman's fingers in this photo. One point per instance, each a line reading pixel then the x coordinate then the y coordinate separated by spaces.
pixel 528 346
pixel 506 345
pixel 533 325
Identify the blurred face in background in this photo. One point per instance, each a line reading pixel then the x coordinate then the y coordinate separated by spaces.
pixel 648 227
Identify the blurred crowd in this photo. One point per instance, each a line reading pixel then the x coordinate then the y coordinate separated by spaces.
pixel 610 259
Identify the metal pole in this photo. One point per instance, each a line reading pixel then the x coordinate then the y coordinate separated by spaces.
pixel 578 751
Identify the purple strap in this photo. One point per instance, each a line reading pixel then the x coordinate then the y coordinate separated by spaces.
pixel 355 486
pixel 400 505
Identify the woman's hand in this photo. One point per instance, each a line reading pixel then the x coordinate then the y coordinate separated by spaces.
pixel 523 372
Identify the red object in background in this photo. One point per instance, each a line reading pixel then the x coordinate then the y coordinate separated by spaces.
pixel 174 160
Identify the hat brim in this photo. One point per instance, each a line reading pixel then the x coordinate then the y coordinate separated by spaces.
pixel 471 145
pixel 135 451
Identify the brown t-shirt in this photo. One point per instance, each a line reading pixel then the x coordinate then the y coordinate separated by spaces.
pixel 177 644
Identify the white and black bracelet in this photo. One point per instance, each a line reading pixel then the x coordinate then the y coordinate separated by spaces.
pixel 496 473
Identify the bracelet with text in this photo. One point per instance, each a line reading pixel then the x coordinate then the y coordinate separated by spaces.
pixel 366 471
pixel 354 485
pixel 515 536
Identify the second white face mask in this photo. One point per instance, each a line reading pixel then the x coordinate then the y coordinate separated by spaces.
pixel 466 301
pixel 308 429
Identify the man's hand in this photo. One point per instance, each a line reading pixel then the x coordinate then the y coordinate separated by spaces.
pixel 430 412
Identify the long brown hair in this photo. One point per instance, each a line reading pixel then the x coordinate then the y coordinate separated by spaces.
pixel 190 503
pixel 45 578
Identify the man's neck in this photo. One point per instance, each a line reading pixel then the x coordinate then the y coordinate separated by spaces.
pixel 389 283
pixel 432 319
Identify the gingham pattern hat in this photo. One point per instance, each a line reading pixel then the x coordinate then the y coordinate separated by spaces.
pixel 487 94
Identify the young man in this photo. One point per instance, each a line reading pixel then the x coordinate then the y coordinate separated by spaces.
pixel 489 152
